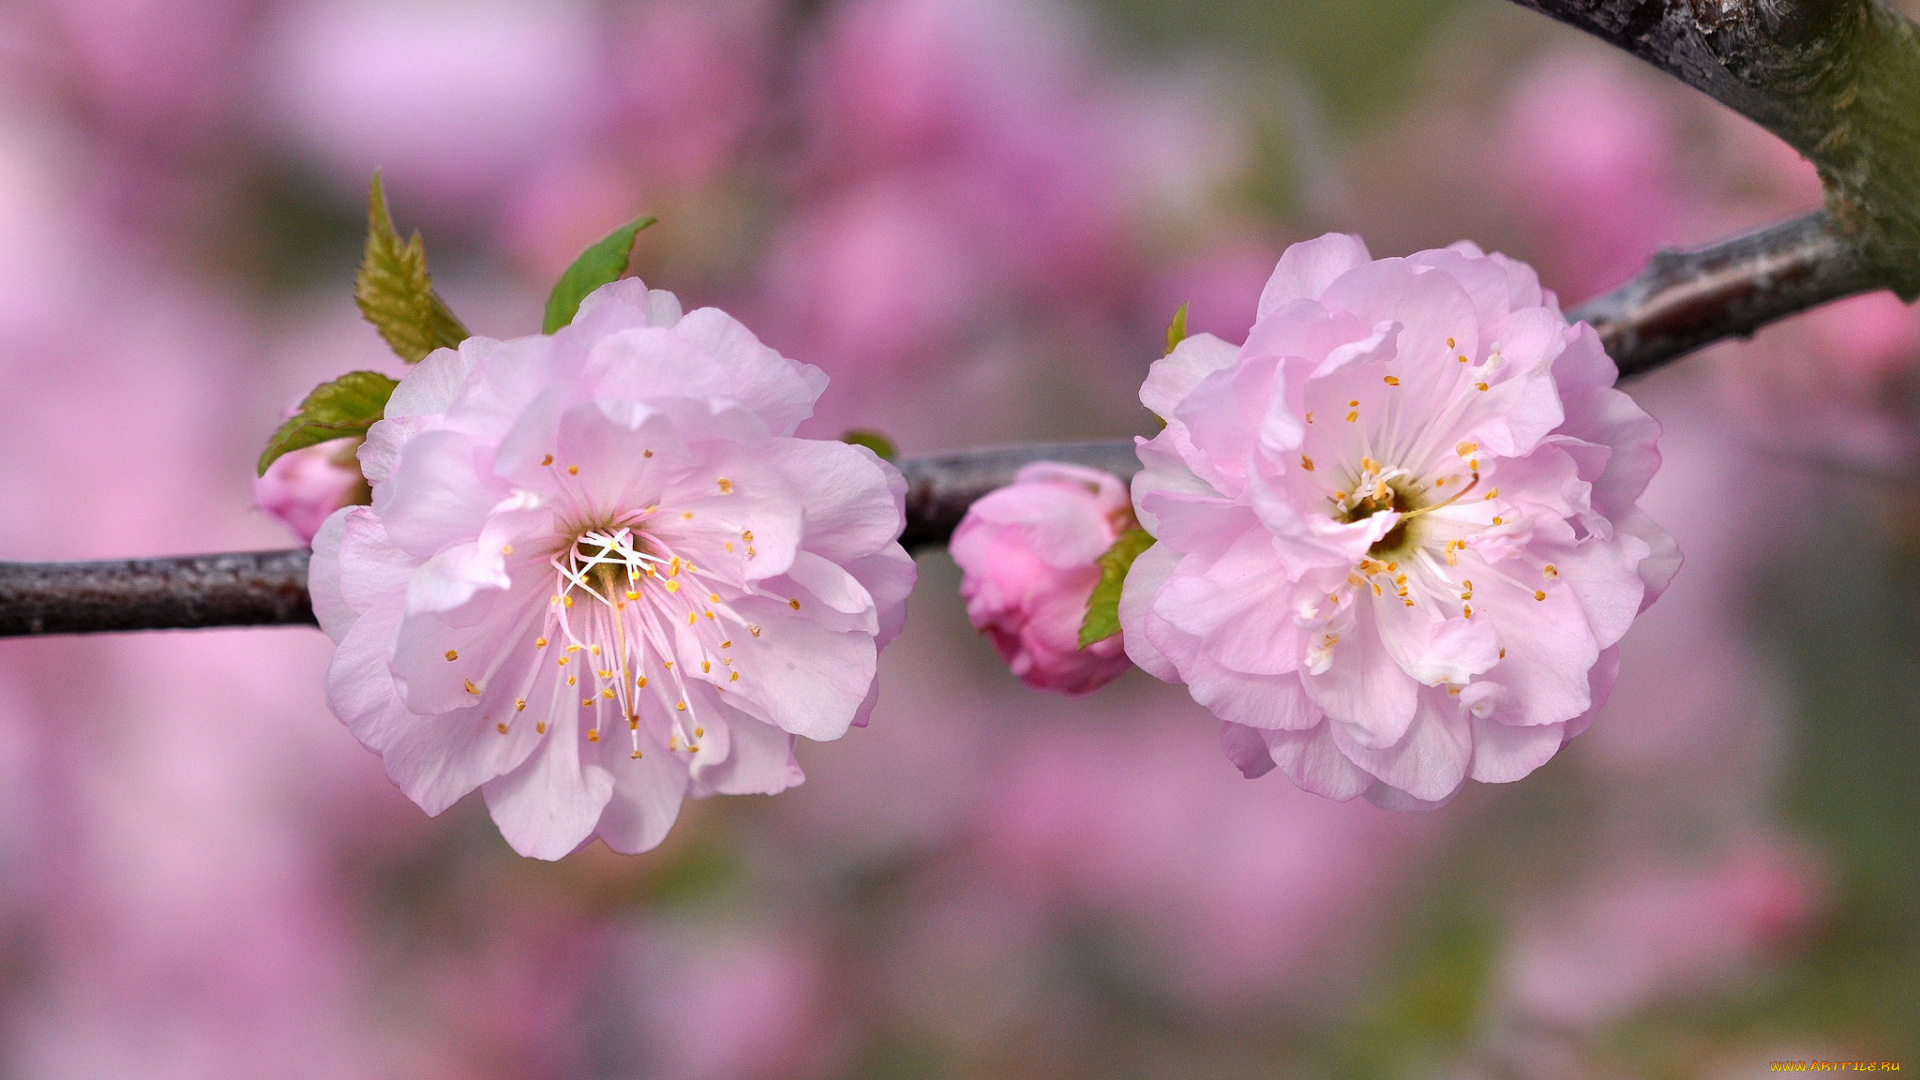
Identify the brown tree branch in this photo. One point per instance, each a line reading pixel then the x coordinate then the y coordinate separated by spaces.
pixel 1839 81
pixel 269 588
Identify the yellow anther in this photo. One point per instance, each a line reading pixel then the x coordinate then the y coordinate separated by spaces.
pixel 539 643
pixel 1466 448
pixel 1309 416
pixel 699 733
pixel 540 728
pixel 1503 654
pixel 633 721
pixel 573 470
pixel 1480 386
pixel 501 728
pixel 646 453
pixel 1498 520
pixel 573 648
pixel 1451 345
pixel 672 585
pixel 1367 464
pixel 1550 570
pixel 632 595
pixel 729 545
pixel 727 644
pixel 735 677
pixel 706 665
pixel 451 655
pixel 595 650
pixel 640 683
pixel 636 755
pixel 686 515
pixel 607 693
pixel 726 486
pixel 545 461
pixel 754 630
pixel 713 598
pixel 506 549
pixel 585 701
pixel 472 689
pixel 1354 404
pixel 794 604
pixel 569 601
pixel 1539 595
pixel 562 661
pixel 1490 496
pixel 1462 359
pixel 682 706
pixel 1352 416
pixel 572 680
pixel 669 665
pixel 520 705
pixel 1467 610
pixel 692 618
pixel 593 735
pixel 1392 381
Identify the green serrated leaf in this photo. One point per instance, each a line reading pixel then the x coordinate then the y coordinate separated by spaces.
pixel 395 292
pixel 1177 329
pixel 873 441
pixel 605 261
pixel 347 406
pixel 1103 607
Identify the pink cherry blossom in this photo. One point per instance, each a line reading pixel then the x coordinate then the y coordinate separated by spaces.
pixel 1398 538
pixel 599 574
pixel 302 488
pixel 1028 553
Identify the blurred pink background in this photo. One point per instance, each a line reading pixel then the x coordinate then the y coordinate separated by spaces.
pixel 977 216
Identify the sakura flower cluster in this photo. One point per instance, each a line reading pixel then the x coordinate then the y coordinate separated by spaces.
pixel 599 574
pixel 1398 538
pixel 1028 551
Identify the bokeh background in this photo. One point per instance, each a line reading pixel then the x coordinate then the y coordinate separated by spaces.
pixel 978 217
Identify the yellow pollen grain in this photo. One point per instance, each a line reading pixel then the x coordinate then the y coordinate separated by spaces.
pixel 472 689
pixel 794 604
pixel 726 486
pixel 545 461
pixel 1391 380
pixel 501 728
pixel 451 655
pixel 1306 462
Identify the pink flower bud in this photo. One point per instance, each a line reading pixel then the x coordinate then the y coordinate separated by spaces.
pixel 302 487
pixel 1028 552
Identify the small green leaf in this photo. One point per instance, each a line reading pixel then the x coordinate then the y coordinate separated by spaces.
pixel 1177 329
pixel 348 405
pixel 394 291
pixel 605 261
pixel 1103 607
pixel 873 441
